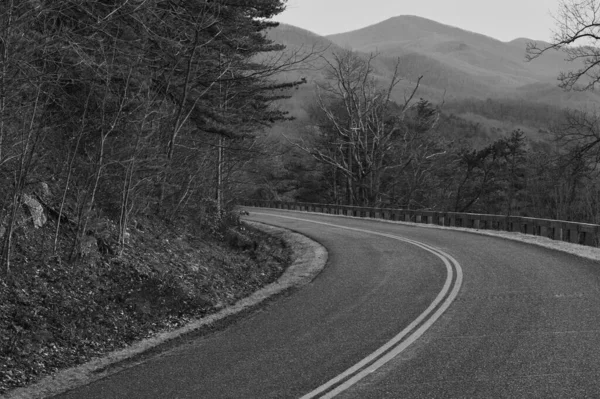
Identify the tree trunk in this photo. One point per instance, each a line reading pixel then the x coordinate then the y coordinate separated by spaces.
pixel 219 180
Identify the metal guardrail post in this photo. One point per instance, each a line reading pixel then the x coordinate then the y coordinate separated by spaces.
pixel 558 233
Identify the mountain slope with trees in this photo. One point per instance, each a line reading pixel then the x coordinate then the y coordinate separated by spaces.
pixel 500 65
pixel 123 128
pixel 504 139
pixel 450 75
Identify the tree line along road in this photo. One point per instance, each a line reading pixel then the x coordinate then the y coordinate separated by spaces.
pixel 523 322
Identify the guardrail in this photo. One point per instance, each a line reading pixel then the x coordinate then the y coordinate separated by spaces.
pixel 579 233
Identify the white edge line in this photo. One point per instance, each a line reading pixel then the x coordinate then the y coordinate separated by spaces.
pixel 447 259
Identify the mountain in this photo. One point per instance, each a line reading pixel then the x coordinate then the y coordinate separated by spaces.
pixel 463 64
pixel 482 81
pixel 455 64
pixel 301 43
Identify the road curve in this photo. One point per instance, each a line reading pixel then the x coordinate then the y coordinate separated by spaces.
pixel 524 324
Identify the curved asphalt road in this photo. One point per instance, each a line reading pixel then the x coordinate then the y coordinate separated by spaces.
pixel 526 323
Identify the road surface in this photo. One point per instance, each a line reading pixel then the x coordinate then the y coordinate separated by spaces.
pixel 525 323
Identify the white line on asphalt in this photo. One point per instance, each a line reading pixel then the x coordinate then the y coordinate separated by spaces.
pixel 394 346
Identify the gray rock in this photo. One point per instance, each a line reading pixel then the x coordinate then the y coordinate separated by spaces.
pixel 36 210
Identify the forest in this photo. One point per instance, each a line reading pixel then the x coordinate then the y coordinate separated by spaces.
pixel 126 108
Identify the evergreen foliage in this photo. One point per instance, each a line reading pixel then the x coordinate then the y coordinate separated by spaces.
pixel 128 108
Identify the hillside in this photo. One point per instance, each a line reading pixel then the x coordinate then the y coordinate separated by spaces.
pixel 456 65
pixel 119 158
pixel 454 46
pixel 301 43
pixel 463 63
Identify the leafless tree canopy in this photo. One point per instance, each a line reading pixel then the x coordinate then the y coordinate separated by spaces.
pixel 577 34
pixel 362 133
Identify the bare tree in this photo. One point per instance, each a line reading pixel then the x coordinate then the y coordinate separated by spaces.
pixel 362 132
pixel 577 34
pixel 578 136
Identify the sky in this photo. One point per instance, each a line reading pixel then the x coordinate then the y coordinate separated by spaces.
pixel 501 19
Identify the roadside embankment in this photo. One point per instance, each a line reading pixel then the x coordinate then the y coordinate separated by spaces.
pixel 305 259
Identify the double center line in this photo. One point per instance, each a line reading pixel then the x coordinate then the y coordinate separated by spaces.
pixel 406 337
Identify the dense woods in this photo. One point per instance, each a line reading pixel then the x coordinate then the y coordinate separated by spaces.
pixel 119 108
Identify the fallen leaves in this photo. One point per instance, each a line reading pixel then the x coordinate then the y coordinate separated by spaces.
pixel 56 314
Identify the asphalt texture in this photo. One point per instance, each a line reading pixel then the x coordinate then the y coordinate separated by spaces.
pixel 526 323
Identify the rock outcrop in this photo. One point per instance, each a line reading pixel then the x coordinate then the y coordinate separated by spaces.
pixel 36 210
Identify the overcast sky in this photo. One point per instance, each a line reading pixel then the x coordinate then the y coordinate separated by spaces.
pixel 502 19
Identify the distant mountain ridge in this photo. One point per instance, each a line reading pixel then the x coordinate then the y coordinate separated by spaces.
pixel 405 28
pixel 455 63
pixel 492 62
